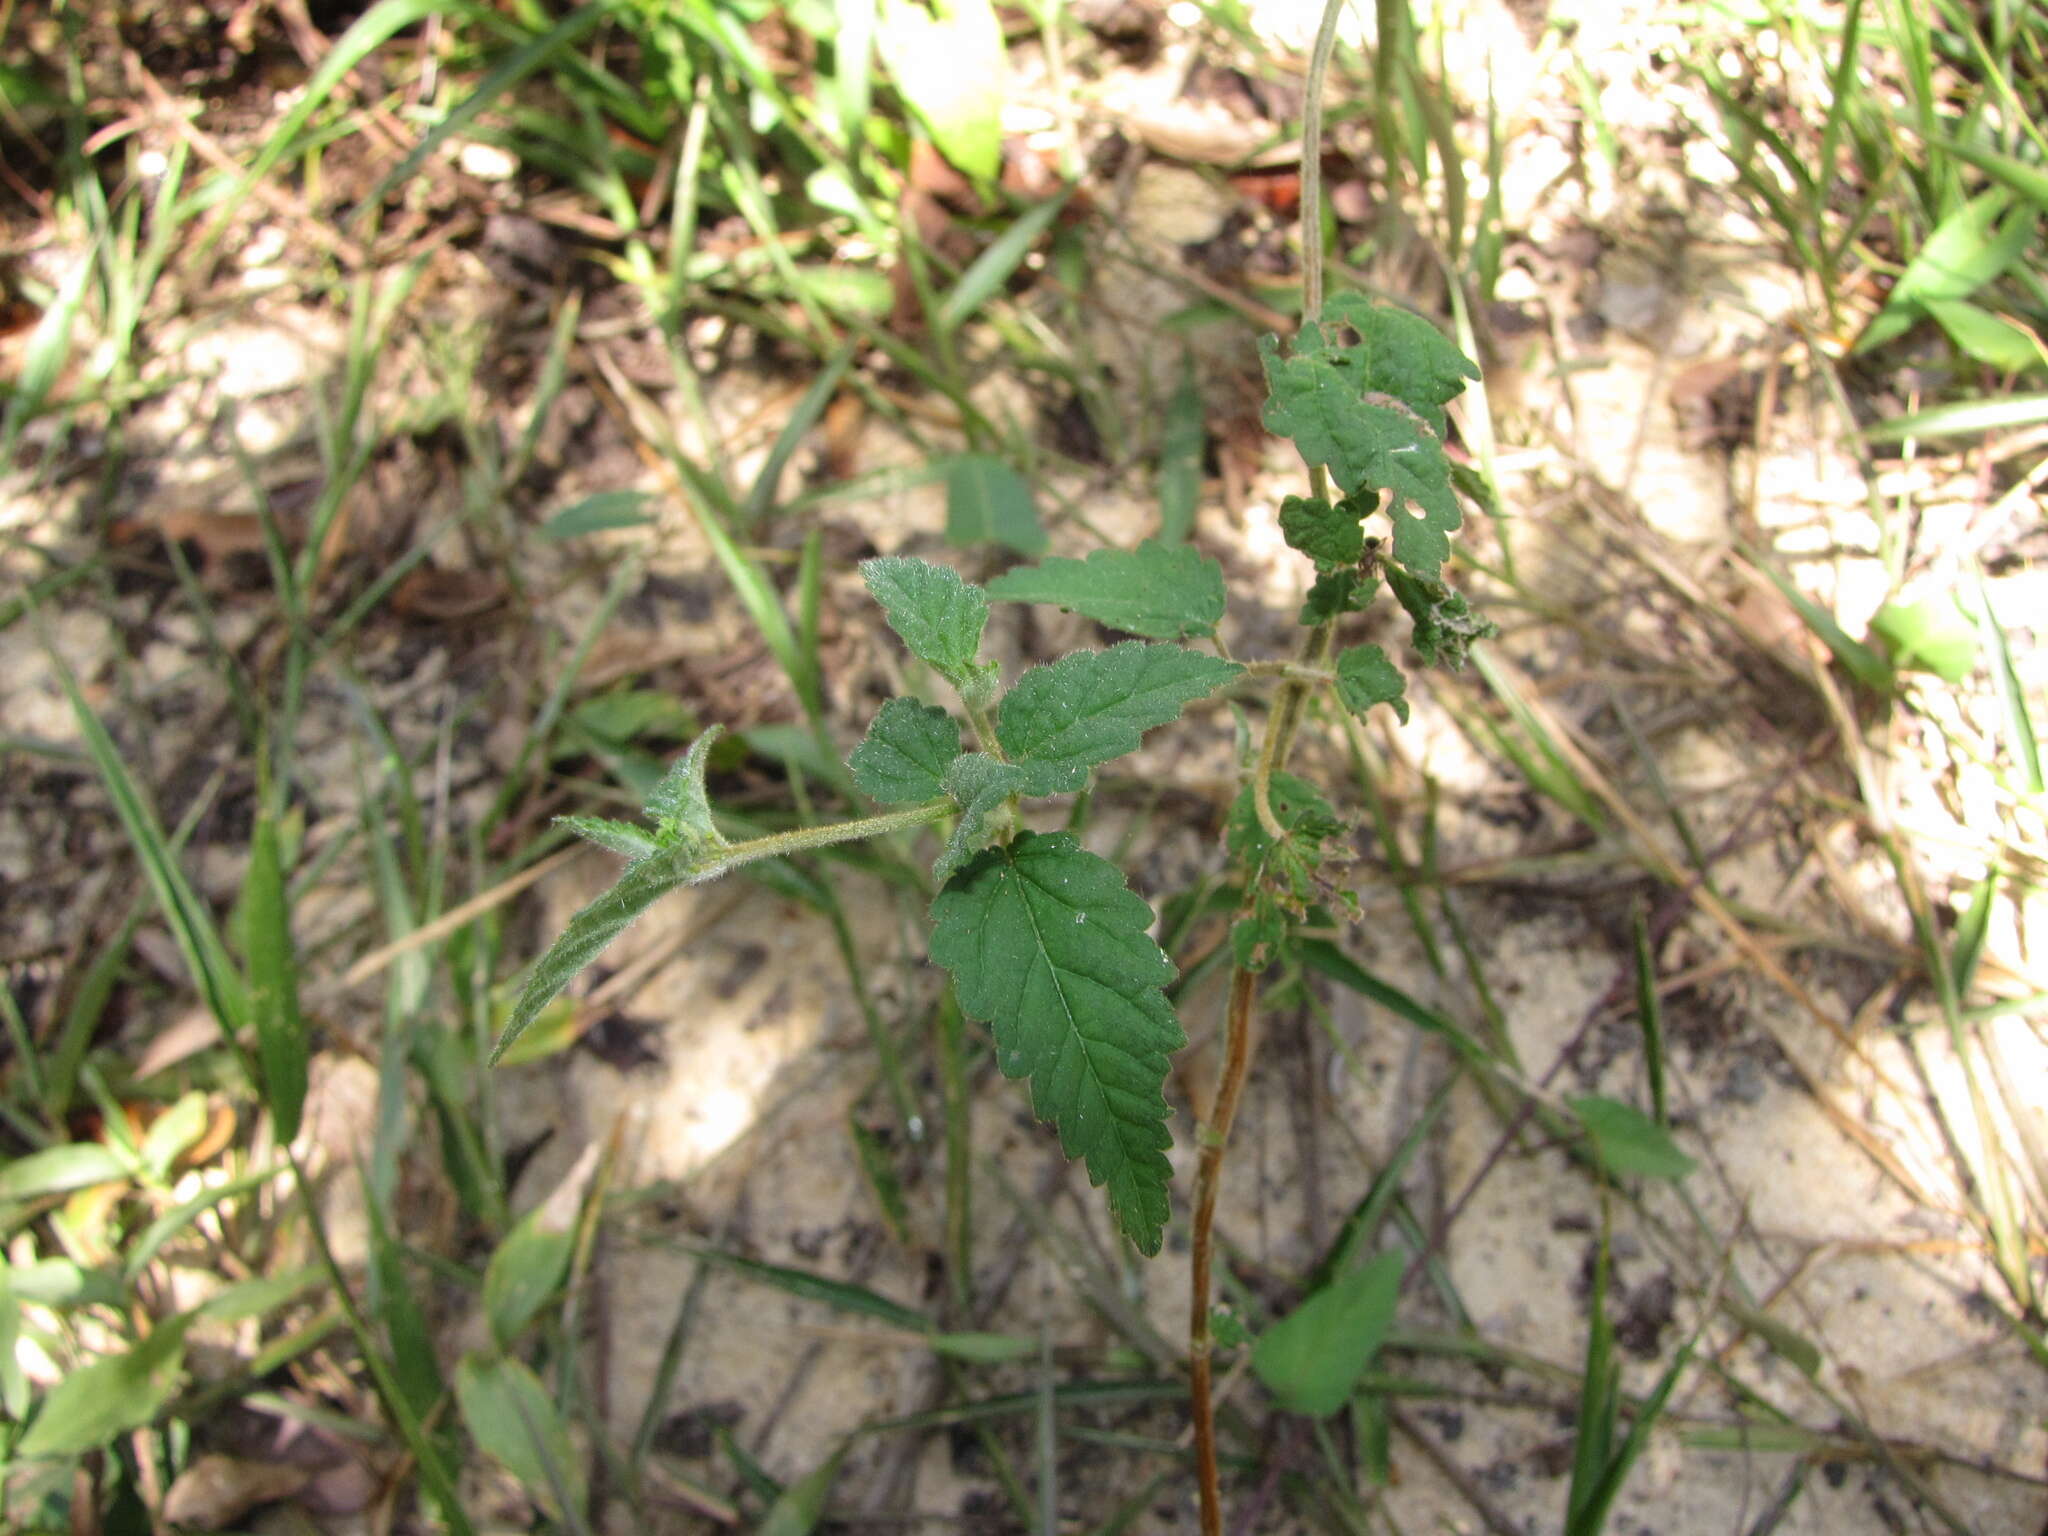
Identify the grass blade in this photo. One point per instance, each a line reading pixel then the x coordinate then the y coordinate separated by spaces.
pixel 274 983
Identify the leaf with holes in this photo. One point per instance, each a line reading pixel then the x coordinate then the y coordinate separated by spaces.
pixel 1160 591
pixel 1401 354
pixel 1050 948
pixel 1368 442
pixel 1092 706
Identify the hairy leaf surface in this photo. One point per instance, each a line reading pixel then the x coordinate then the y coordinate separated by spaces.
pixel 679 805
pixel 903 757
pixel 933 611
pixel 1049 947
pixel 1401 354
pixel 1317 398
pixel 978 784
pixel 620 837
pixel 592 930
pixel 1342 590
pixel 1445 625
pixel 1092 706
pixel 1366 677
pixel 1161 591
pixel 1330 536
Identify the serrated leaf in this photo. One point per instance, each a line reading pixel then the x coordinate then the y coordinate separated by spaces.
pixel 591 931
pixel 988 502
pixel 1445 625
pixel 620 837
pixel 1312 1358
pixel 680 805
pixel 1049 947
pixel 904 755
pixel 978 784
pixel 1296 803
pixel 1379 443
pixel 1327 535
pixel 1338 592
pixel 933 611
pixel 1092 706
pixel 1403 355
pixel 1629 1141
pixel 1257 937
pixel 1366 677
pixel 1161 591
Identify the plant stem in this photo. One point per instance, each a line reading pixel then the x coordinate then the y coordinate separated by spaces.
pixel 1208 1179
pixel 803 839
pixel 1281 727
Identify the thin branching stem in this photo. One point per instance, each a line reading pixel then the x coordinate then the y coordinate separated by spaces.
pixel 1281 726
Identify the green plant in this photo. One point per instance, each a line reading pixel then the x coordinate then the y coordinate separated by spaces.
pixel 1044 940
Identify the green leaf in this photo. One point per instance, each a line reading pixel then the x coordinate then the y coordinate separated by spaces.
pixel 988 502
pixel 1180 458
pixel 1973 246
pixel 598 514
pixel 526 1270
pixel 1256 940
pixel 1931 635
pixel 1338 592
pixel 274 983
pixel 513 1420
pixel 1092 706
pixel 978 784
pixel 1049 947
pixel 680 805
pixel 949 68
pixel 112 1395
pixel 1379 442
pixel 592 930
pixel 620 837
pixel 1330 536
pixel 1991 339
pixel 1366 677
pixel 935 613
pixel 798 1508
pixel 1299 806
pixel 1161 591
pixel 903 757
pixel 1628 1141
pixel 1445 625
pixel 1401 354
pixel 1312 1358
pixel 56 1170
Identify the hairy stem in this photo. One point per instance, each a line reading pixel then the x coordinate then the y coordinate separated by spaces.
pixel 803 839
pixel 1281 727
